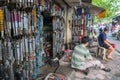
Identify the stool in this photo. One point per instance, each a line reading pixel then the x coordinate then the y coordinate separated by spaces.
pixel 101 51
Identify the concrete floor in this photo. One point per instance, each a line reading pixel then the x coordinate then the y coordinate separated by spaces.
pixel 97 74
pixel 114 65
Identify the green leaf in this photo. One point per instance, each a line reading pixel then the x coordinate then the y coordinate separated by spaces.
pixel 111 6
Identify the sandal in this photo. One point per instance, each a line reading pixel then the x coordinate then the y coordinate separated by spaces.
pixel 106 69
pixel 85 71
pixel 110 58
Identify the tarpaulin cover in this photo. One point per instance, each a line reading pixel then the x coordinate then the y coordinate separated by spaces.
pixel 101 15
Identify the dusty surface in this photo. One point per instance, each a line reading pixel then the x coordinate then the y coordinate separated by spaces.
pixel 97 74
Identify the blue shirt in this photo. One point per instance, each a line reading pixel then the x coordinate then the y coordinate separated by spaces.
pixel 101 38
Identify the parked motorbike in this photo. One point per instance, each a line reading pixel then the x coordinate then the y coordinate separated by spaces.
pixel 114 33
pixel 118 35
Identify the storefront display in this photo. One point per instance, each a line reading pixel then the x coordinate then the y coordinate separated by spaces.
pixel 81 20
pixel 25 27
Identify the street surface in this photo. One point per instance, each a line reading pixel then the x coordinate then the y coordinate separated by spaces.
pixel 114 40
pixel 114 65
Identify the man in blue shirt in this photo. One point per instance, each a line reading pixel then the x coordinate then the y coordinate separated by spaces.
pixel 104 42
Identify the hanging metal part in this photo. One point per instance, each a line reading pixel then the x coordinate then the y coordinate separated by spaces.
pixel 1 23
pixel 80 2
pixel 21 47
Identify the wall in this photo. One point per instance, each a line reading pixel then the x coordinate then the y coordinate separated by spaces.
pixel 67 19
pixel 68 28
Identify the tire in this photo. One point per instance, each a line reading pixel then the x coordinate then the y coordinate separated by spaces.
pixel 118 37
pixel 113 35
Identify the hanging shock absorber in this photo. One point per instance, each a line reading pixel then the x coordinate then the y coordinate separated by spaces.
pixel 25 32
pixel 19 3
pixel 31 3
pixel 1 23
pixel 34 2
pixel 9 48
pixel 11 58
pixel 6 22
pixel 34 20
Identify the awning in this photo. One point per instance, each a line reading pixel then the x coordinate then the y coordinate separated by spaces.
pixel 95 10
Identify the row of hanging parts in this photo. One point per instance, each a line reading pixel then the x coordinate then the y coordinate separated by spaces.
pixel 1 23
pixel 29 3
pixel 19 25
pixel 23 4
pixel 15 24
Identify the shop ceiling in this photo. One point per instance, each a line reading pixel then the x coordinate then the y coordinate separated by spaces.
pixel 95 10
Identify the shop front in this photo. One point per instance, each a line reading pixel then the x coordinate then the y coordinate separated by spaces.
pixel 34 32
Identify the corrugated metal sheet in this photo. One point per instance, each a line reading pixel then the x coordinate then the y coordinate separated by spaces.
pixel 69 1
pixel 95 10
pixel 87 1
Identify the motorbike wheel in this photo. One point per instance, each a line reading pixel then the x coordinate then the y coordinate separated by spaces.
pixel 118 37
pixel 114 35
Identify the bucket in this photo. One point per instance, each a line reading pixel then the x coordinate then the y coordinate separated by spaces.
pixel 114 45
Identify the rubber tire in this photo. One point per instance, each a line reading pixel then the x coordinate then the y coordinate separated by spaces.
pixel 118 37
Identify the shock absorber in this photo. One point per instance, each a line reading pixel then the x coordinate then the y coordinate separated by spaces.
pixel 1 23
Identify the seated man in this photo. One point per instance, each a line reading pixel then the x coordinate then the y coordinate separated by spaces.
pixel 82 60
pixel 104 42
